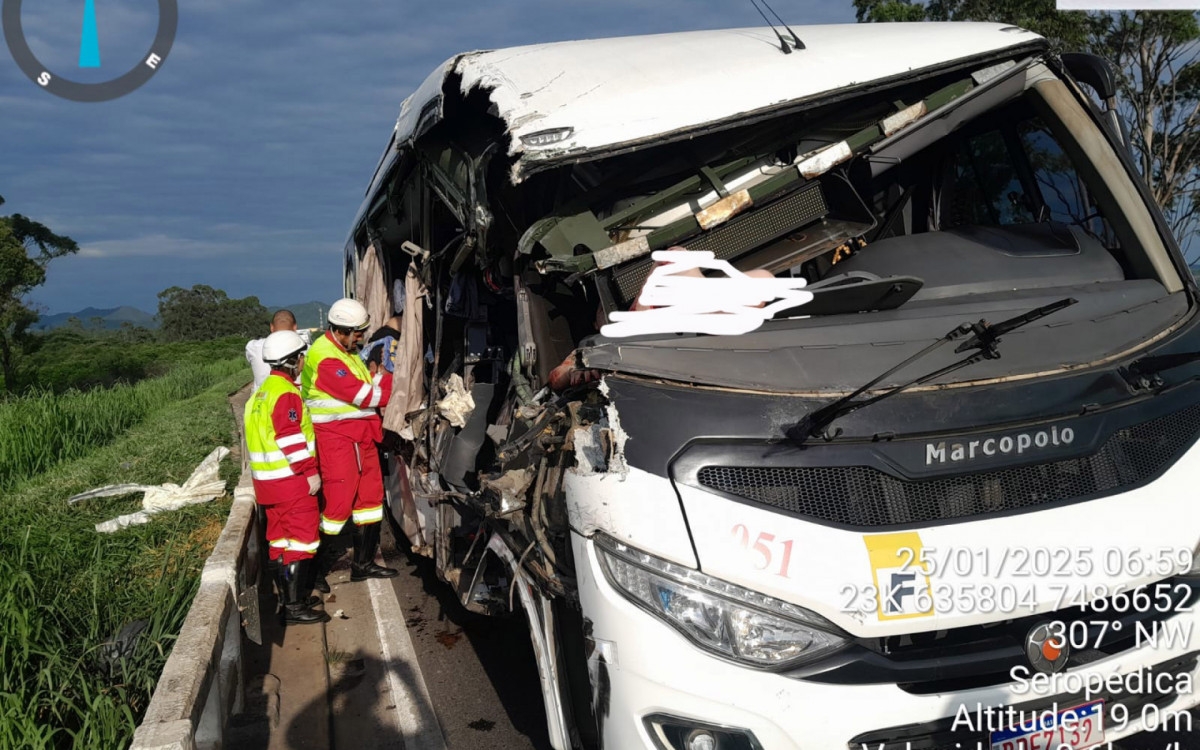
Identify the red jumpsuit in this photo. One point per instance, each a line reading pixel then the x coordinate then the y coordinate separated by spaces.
pixel 351 479
pixel 292 513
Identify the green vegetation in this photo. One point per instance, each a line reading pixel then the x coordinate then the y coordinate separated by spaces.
pixel 88 618
pixel 43 429
pixel 64 589
pixel 77 358
pixel 203 313
pixel 1156 58
pixel 26 248
pixel 66 358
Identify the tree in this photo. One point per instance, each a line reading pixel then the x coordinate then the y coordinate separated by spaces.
pixel 1156 56
pixel 1067 31
pixel 1157 59
pixel 202 313
pixel 26 248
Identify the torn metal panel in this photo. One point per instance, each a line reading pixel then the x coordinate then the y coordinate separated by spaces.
pixel 591 452
pixel 423 108
pixel 602 492
pixel 600 446
pixel 512 487
pixel 568 99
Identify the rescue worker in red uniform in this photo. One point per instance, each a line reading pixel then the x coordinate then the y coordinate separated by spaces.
pixel 342 396
pixel 279 441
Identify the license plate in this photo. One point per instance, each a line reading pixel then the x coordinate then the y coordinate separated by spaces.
pixel 1051 733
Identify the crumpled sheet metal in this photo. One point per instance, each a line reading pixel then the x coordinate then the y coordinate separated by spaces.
pixel 511 486
pixel 204 485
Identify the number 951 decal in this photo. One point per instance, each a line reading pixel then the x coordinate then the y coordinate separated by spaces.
pixel 766 552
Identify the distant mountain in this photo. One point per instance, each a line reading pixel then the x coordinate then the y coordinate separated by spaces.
pixel 111 318
pixel 308 314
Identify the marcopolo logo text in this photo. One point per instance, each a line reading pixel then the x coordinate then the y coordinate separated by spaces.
pixel 943 452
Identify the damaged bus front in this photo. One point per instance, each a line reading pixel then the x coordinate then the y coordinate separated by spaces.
pixel 919 493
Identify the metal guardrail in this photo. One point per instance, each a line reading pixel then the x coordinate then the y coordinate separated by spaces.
pixel 202 683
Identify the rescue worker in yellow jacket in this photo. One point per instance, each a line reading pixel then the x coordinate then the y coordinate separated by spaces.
pixel 342 395
pixel 281 446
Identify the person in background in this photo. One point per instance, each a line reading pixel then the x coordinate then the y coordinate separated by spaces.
pixel 380 350
pixel 342 396
pixel 280 444
pixel 282 320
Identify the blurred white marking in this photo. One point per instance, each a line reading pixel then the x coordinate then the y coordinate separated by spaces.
pixel 694 304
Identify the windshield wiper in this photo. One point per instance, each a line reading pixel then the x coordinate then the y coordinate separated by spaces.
pixel 1143 373
pixel 984 340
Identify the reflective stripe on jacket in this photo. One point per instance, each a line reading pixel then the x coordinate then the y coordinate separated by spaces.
pixel 358 394
pixel 274 453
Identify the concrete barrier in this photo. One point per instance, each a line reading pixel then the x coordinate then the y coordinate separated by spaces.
pixel 201 685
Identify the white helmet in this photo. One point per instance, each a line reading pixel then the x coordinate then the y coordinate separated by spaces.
pixel 282 346
pixel 348 313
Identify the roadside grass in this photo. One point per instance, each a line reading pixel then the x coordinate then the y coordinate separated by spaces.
pixel 66 590
pixel 65 359
pixel 41 429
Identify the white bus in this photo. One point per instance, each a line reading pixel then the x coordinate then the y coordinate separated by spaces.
pixel 943 502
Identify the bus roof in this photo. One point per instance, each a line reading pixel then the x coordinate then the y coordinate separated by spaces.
pixel 565 100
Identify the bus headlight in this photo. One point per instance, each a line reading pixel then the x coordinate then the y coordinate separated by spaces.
pixel 728 620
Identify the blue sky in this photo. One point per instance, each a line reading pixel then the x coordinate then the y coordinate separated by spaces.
pixel 243 161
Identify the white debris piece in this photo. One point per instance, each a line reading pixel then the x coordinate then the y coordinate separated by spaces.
pixel 458 404
pixel 204 485
pixel 618 437
pixel 682 303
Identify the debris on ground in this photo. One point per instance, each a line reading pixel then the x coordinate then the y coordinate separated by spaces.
pixel 204 485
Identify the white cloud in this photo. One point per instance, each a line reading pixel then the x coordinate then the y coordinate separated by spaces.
pixel 223 241
pixel 255 140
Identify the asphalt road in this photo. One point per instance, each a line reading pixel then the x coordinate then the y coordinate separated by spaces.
pixel 479 670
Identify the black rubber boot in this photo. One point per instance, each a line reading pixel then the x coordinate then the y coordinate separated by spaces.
pixel 366 543
pixel 323 563
pixel 296 611
pixel 308 573
pixel 275 570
